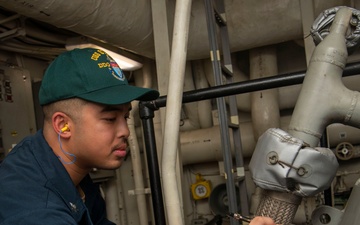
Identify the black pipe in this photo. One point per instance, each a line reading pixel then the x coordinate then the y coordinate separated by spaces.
pixel 147 115
pixel 246 86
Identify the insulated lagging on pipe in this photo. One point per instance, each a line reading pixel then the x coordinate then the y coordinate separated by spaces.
pixel 314 110
pixel 289 169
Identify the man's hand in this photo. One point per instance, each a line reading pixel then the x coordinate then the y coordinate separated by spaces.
pixel 259 220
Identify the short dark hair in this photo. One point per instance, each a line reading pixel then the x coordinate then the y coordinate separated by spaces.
pixel 70 107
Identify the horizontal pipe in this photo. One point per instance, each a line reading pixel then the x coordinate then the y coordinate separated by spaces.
pixel 245 86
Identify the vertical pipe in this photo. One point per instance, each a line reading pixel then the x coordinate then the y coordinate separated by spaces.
pixel 265 111
pixel 121 201
pixel 138 173
pixel 135 149
pixel 204 107
pixel 159 11
pixel 147 116
pixel 190 109
pixel 173 109
pixel 112 206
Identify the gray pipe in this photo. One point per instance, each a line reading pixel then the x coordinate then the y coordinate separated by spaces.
pixel 323 99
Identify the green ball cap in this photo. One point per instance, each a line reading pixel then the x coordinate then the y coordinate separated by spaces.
pixel 89 74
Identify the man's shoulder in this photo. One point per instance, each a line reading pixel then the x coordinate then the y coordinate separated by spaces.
pixel 22 162
pixel 28 145
pixel 22 152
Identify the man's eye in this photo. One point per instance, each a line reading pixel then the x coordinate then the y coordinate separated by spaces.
pixel 110 119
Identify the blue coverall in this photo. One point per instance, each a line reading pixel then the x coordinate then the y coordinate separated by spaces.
pixel 35 189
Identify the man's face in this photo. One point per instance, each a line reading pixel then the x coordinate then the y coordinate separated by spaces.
pixel 99 138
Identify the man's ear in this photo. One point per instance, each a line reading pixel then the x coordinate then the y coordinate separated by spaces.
pixel 61 123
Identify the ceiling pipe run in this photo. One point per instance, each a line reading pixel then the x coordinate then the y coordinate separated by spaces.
pixel 128 23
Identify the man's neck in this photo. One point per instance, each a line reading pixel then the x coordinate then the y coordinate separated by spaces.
pixel 76 174
pixel 75 171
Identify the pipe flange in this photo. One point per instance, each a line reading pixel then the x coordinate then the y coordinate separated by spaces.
pixel 321 28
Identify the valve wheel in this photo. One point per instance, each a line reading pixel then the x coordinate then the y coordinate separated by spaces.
pixel 344 151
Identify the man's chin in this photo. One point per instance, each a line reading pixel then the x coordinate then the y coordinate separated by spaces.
pixel 113 166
